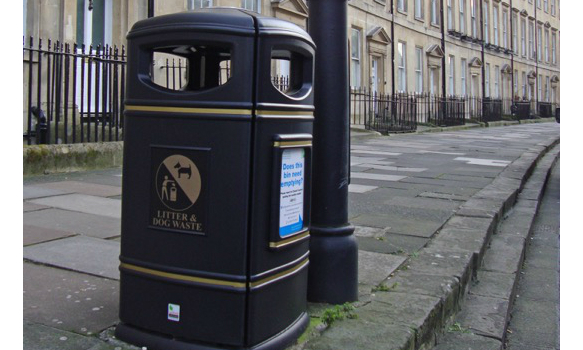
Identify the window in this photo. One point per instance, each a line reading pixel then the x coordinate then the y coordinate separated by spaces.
pixel 554 48
pixel 486 27
pixel 450 24
pixel 463 74
pixel 546 2
pixel 402 66
pixel 94 27
pixel 419 9
pixel 547 57
pixel 496 82
pixel 355 58
pixel 252 5
pixel 515 78
pixel 547 85
pixel 434 12
pixel 495 24
pixel 553 8
pixel 515 33
pixel 530 40
pixel 524 84
pixel 199 4
pixel 402 5
pixel 451 75
pixel 505 29
pixel 474 20
pixel 487 80
pixel 419 69
pixel 538 3
pixel 523 36
pixel 462 16
pixel 539 37
pixel 539 84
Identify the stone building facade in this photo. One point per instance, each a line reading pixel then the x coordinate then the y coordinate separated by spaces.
pixel 500 49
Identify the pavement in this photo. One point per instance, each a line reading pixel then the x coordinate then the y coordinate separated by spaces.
pixel 426 207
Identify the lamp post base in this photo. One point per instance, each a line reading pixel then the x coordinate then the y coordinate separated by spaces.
pixel 333 271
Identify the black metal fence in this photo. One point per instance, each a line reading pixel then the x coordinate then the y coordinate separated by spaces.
pixel 404 111
pixel 72 93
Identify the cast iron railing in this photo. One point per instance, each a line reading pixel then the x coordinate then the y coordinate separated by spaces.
pixel 72 93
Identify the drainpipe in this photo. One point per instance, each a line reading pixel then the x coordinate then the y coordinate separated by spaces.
pixel 393 47
pixel 443 59
pixel 150 8
pixel 536 39
pixel 483 55
pixel 512 54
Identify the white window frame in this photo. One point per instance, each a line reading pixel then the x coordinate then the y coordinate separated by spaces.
pixel 463 16
pixel 199 4
pixel 540 88
pixel 539 44
pixel 419 9
pixel 419 69
pixel 402 66
pixel 547 89
pixel 434 9
pixel 252 5
pixel 524 84
pixel 515 33
pixel 531 48
pixel 523 36
pixel 463 76
pixel 553 8
pixel 554 48
pixel 515 88
pixel 505 29
pixel 450 22
pixel 487 81
pixel 402 5
pixel 451 65
pixel 496 81
pixel 546 6
pixel 486 20
pixel 473 15
pixel 355 58
pixel 547 39
pixel 495 25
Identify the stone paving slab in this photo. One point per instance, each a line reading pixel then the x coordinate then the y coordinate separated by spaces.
pixel 84 204
pixel 27 206
pixel 374 268
pixel 485 316
pixel 494 285
pixel 468 341
pixel 398 224
pixel 40 191
pixel 80 223
pixel 392 243
pixel 83 254
pixel 34 234
pixel 68 300
pixel 84 188
pixel 40 337
pixel 509 254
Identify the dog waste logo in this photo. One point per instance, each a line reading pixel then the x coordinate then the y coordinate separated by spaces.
pixel 178 186
pixel 178 182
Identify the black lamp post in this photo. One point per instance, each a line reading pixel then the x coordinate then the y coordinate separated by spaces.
pixel 333 272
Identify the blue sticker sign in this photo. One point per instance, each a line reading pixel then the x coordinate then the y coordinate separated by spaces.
pixel 291 198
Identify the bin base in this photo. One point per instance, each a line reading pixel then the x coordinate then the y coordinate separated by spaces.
pixel 157 341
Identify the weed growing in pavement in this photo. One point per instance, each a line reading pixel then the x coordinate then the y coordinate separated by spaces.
pixel 338 312
pixel 382 287
pixel 457 327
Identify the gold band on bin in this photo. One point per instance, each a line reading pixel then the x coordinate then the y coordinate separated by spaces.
pixel 212 281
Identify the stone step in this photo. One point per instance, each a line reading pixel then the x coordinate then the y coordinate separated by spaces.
pixel 411 308
pixel 485 311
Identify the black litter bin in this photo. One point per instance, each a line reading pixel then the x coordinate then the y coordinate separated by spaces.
pixel 216 183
